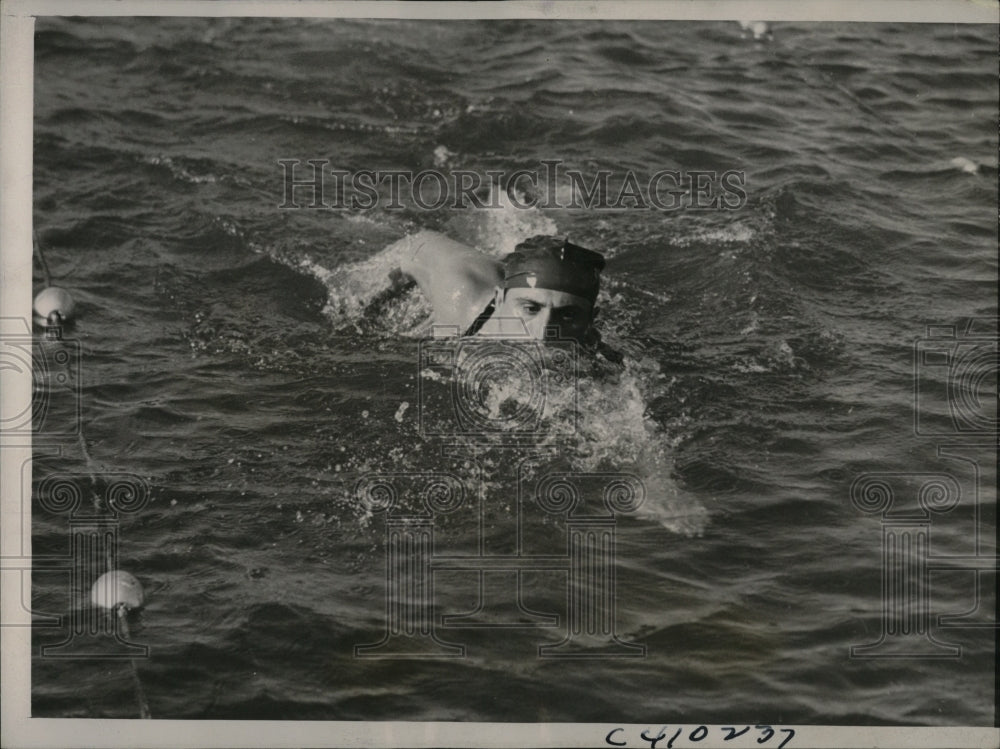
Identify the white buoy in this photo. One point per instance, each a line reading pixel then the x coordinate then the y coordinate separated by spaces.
pixel 759 29
pixel 966 165
pixel 54 305
pixel 117 588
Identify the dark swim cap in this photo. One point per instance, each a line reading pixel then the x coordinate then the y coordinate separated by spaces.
pixel 546 262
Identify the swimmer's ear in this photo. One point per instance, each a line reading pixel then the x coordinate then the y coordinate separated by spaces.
pixel 497 297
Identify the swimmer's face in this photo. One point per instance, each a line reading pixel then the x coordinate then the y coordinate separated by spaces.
pixel 542 309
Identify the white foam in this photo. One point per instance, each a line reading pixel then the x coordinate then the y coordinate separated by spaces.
pixel 598 422
pixel 502 224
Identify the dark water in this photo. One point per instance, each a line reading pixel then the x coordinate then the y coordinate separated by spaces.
pixel 227 359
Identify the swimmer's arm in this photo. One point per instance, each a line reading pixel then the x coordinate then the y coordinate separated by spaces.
pixel 457 280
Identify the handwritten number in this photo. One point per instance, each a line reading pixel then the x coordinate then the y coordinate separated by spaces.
pixel 701 733
pixel 695 737
pixel 652 740
pixel 766 729
pixel 608 740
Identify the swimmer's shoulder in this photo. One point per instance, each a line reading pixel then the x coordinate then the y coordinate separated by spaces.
pixel 612 355
pixel 596 345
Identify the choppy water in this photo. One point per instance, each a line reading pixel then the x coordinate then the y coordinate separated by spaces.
pixel 227 358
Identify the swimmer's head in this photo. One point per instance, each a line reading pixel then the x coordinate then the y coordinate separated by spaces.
pixel 545 262
pixel 551 283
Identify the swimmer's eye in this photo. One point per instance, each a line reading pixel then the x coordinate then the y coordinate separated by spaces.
pixel 569 315
pixel 531 309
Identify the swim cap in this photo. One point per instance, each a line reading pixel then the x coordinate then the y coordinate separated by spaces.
pixel 546 262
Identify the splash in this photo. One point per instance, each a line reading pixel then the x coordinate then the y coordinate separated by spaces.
pixel 738 233
pixel 178 171
pixel 499 230
pixel 368 296
pixel 593 419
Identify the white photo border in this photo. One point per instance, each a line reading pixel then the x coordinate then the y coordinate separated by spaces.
pixel 16 127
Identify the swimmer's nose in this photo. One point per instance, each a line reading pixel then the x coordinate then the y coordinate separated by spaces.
pixel 539 324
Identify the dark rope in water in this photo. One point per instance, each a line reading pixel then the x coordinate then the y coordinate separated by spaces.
pixel 140 693
pixel 101 506
pixel 41 258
